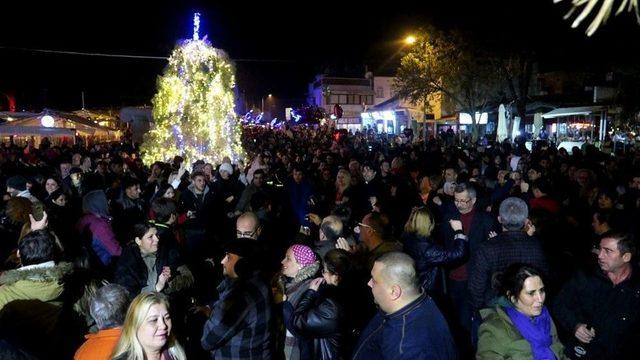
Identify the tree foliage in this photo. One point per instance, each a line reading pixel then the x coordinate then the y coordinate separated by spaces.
pixel 447 65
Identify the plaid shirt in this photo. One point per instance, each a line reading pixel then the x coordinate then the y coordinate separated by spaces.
pixel 239 326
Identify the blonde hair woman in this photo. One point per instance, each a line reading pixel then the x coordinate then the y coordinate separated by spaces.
pixel 420 222
pixel 343 184
pixel 427 254
pixel 146 333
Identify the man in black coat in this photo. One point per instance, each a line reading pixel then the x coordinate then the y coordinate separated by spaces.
pixel 513 245
pixel 599 311
pixel 197 201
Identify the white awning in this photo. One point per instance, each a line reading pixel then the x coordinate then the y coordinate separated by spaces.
pixel 572 111
pixel 8 130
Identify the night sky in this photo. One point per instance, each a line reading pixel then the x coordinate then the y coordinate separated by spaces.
pixel 279 47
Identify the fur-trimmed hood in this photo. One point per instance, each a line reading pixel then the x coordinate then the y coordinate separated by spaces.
pixel 50 274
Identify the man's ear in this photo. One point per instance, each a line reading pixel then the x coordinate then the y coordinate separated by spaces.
pixel 626 257
pixel 499 219
pixel 396 292
pixel 18 254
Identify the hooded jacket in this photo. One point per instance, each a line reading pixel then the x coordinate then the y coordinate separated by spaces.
pixel 42 282
pixel 96 227
pixel 31 308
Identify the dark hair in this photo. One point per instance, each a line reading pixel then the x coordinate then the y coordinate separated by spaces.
pixel 129 181
pixel 55 195
pixel 163 208
pixel 542 185
pixel 162 189
pixel 511 281
pixel 603 216
pixel 36 247
pixel 258 172
pixel 338 262
pixel 196 174
pixel 626 243
pixel 140 229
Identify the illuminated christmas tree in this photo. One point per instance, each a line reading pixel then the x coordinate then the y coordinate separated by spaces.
pixel 193 107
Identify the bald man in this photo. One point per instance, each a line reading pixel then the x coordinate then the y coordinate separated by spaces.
pixel 408 324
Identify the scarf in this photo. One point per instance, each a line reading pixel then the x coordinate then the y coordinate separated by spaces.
pixel 536 331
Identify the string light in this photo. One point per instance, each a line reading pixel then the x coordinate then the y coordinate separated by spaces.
pixel 193 107
pixel 196 26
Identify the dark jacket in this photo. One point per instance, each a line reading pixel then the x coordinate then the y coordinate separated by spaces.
pixel 494 256
pixel 131 271
pixel 126 213
pixel 417 332
pixel 299 195
pixel 239 326
pixel 611 310
pixel 201 205
pixel 225 188
pixel 316 322
pixel 429 255
pixel 482 224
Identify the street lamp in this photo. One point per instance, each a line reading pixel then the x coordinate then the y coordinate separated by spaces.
pixel 410 40
pixel 269 96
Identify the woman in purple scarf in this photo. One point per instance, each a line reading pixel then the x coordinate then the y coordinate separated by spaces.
pixel 520 327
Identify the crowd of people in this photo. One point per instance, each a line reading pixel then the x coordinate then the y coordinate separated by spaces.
pixel 320 245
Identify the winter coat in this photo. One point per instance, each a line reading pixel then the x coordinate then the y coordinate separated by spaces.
pixel 494 256
pixel 203 208
pixel 429 255
pixel 316 322
pixel 31 307
pixel 38 283
pixel 98 232
pixel 294 290
pixel 416 332
pixel 132 273
pixel 240 322
pixel 611 310
pixel 94 228
pixel 498 338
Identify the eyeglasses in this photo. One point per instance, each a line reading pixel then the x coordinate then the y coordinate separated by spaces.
pixel 248 234
pixel 357 230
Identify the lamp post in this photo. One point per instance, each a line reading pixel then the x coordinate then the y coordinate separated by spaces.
pixel 411 40
pixel 269 97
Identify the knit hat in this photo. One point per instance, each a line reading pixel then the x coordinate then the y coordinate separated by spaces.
pixel 226 167
pixel 304 255
pixel 17 182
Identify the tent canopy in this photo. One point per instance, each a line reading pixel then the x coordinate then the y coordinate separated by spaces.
pixel 9 130
pixel 573 111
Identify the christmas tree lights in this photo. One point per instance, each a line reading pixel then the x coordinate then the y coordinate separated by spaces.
pixel 193 107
